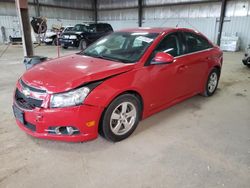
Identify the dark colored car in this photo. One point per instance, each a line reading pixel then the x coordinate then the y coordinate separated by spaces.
pixel 114 83
pixel 83 35
pixel 246 59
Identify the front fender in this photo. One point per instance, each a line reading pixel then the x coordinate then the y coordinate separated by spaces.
pixel 107 91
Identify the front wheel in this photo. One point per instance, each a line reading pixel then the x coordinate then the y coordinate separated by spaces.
pixel 212 83
pixel 121 118
pixel 82 44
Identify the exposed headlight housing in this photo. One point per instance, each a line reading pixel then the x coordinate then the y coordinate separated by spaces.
pixel 72 37
pixel 71 98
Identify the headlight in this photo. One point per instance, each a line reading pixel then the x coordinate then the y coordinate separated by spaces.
pixel 71 98
pixel 65 36
pixel 72 37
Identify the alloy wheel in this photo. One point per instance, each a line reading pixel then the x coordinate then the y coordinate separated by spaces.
pixel 123 118
pixel 212 83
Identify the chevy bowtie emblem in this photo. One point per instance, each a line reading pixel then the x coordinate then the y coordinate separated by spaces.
pixel 26 92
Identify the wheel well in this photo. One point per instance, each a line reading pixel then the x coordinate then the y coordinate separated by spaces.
pixel 137 95
pixel 218 68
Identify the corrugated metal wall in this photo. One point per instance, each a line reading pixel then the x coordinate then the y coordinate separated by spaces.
pixel 64 16
pixel 201 16
pixel 204 25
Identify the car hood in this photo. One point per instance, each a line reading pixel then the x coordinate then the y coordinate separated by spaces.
pixel 68 72
pixel 49 34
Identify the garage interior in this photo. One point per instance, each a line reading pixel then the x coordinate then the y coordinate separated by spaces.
pixel 200 142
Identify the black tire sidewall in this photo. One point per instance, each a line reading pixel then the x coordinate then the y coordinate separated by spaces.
pixel 248 61
pixel 80 44
pixel 207 92
pixel 105 124
pixel 54 42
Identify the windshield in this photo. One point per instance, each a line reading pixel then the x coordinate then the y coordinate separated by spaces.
pixel 126 47
pixel 80 27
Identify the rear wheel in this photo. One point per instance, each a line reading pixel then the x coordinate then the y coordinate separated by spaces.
pixel 212 82
pixel 121 118
pixel 65 47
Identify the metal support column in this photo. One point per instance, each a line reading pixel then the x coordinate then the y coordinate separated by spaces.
pixel 139 13
pixel 23 13
pixel 36 3
pixel 222 16
pixel 95 11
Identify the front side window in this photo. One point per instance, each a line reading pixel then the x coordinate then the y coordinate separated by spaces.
pixel 195 42
pixel 84 28
pixel 126 47
pixel 170 44
pixel 79 27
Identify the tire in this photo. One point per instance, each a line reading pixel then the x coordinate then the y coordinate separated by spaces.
pixel 54 42
pixel 121 118
pixel 82 44
pixel 248 61
pixel 212 82
pixel 65 47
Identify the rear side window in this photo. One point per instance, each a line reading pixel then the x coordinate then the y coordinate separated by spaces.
pixel 108 27
pixel 101 28
pixel 195 42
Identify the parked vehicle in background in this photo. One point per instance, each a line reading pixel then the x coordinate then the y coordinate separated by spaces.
pixel 114 83
pixel 246 59
pixel 83 35
pixel 51 35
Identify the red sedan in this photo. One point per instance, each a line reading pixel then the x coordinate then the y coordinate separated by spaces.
pixel 114 83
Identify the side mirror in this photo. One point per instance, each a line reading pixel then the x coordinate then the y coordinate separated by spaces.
pixel 162 58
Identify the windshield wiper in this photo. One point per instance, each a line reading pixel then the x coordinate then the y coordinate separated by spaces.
pixel 101 56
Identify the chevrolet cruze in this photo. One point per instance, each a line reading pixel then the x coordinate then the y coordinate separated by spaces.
pixel 114 83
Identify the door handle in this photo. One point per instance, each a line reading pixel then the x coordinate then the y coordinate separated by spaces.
pixel 182 68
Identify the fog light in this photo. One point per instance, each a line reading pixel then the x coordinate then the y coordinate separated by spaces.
pixel 58 131
pixel 63 130
pixel 70 130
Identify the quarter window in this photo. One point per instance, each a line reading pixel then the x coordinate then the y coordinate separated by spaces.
pixel 195 42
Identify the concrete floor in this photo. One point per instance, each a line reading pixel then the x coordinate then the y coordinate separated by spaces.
pixel 201 142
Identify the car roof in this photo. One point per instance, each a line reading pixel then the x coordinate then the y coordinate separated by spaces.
pixel 92 23
pixel 157 29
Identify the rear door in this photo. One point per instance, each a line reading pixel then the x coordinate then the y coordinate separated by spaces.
pixel 195 61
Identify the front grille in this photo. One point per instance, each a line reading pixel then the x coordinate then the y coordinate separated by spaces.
pixel 30 126
pixel 27 102
pixel 31 88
